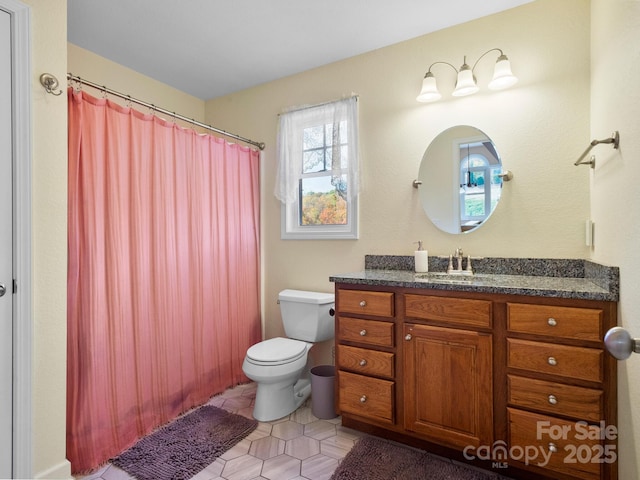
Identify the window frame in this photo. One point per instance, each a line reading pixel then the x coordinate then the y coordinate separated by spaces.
pixel 291 213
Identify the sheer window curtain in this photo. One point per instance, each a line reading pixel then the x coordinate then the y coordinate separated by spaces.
pixel 289 144
pixel 163 276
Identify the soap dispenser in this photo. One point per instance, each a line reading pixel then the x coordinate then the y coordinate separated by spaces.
pixel 421 259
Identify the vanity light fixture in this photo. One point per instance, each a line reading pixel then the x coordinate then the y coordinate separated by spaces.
pixel 466 80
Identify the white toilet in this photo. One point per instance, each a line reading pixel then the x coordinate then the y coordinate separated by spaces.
pixel 279 365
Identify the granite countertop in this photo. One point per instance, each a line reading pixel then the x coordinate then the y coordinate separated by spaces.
pixel 557 278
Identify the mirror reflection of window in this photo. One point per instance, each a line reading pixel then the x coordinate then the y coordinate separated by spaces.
pixel 480 183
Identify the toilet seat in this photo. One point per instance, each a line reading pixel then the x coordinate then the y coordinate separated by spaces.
pixel 276 351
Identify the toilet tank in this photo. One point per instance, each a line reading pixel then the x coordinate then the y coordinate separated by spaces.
pixel 307 316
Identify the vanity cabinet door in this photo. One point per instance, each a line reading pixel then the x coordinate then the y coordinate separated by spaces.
pixel 448 385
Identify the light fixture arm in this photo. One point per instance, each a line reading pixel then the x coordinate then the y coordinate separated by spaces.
pixel 488 51
pixel 436 63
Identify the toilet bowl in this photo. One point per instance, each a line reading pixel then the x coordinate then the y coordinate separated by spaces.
pixel 279 366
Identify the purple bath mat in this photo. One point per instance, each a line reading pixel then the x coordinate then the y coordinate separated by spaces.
pixel 373 458
pixel 185 446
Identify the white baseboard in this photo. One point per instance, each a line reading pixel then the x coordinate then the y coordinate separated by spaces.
pixel 61 471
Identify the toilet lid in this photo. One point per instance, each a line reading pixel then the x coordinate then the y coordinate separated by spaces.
pixel 277 350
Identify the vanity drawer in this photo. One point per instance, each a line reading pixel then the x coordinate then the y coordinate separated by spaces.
pixel 566 361
pixel 462 311
pixel 366 303
pixel 574 455
pixel 556 398
pixel 370 332
pixel 366 397
pixel 562 322
pixel 368 362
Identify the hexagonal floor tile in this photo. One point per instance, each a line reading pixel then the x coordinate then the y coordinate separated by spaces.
pixel 282 467
pixel 267 447
pixel 302 447
pixel 287 430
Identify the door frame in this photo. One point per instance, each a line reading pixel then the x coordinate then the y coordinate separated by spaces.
pixel 22 307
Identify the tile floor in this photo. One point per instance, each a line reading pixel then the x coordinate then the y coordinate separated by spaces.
pixel 296 447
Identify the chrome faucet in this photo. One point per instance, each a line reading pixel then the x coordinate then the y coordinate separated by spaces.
pixel 459 271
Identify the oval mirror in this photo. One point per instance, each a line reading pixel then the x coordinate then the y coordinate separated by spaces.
pixel 461 175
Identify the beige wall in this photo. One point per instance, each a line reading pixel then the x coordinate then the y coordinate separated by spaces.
pixel 97 69
pixel 49 184
pixel 539 127
pixel 615 197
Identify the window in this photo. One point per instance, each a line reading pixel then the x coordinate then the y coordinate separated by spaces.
pixel 317 178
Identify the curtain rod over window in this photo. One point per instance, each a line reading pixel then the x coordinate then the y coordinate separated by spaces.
pixel 82 81
pixel 306 107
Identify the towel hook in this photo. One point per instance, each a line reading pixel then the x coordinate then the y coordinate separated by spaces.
pixel 50 83
pixel 613 139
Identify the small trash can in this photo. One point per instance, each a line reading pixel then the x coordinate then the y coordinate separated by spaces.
pixel 323 378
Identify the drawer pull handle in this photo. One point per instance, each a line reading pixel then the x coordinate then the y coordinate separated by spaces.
pixel 363 399
pixel 408 337
pixel 363 362
pixel 552 399
pixel 553 448
pixel 552 361
pixel 552 322
pixel 363 332
pixel 363 303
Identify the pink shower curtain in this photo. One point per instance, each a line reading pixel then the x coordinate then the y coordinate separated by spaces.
pixel 163 275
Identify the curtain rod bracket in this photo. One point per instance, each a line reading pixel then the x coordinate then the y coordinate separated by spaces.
pixel 613 140
pixel 50 83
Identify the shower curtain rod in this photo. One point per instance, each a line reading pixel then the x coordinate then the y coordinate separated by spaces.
pixel 82 81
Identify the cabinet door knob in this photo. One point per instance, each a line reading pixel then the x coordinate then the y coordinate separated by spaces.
pixel 553 448
pixel 363 362
pixel 363 332
pixel 552 361
pixel 363 303
pixel 408 337
pixel 363 399
pixel 552 399
pixel 552 322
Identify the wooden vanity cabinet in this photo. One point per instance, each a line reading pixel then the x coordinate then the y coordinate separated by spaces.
pixel 452 370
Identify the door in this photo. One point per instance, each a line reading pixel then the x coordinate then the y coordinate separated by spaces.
pixel 448 385
pixel 6 250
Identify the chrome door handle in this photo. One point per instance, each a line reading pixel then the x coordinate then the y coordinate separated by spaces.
pixel 3 289
pixel 620 344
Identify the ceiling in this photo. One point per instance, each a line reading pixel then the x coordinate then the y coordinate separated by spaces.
pixel 210 48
